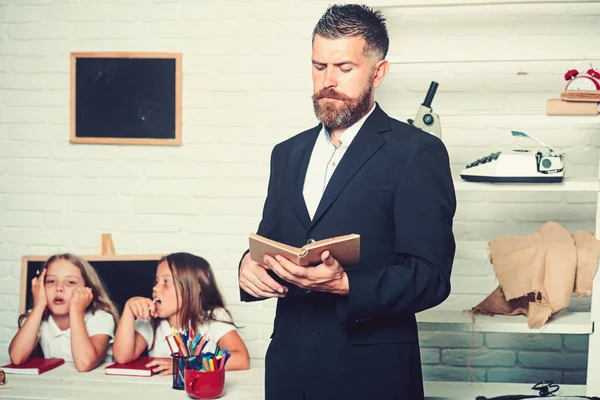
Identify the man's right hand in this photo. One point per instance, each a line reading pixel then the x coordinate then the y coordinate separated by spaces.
pixel 255 280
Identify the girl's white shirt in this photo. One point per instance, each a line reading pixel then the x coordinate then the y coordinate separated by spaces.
pixel 215 330
pixel 57 343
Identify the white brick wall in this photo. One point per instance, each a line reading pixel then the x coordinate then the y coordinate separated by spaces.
pixel 246 86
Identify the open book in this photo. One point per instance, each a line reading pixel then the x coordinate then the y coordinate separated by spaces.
pixel 33 366
pixel 345 249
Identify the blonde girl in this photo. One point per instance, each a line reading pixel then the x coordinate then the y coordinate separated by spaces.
pixel 185 296
pixel 72 316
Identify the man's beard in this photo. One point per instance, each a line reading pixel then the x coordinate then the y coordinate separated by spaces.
pixel 341 115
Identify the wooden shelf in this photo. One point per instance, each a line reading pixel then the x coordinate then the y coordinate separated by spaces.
pixel 568 185
pixel 449 59
pixel 565 322
pixel 463 390
pixel 509 121
pixel 472 264
pixel 456 3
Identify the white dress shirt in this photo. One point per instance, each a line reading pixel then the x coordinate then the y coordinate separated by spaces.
pixel 324 159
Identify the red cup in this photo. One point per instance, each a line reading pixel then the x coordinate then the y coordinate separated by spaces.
pixel 204 384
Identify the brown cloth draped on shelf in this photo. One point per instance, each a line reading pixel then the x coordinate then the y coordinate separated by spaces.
pixel 539 272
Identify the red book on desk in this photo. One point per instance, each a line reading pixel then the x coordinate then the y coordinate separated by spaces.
pixel 134 368
pixel 33 366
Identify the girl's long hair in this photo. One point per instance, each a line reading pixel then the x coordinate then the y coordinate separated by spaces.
pixel 100 301
pixel 194 279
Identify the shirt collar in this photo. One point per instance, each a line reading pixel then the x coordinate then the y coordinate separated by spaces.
pixel 350 133
pixel 165 328
pixel 55 331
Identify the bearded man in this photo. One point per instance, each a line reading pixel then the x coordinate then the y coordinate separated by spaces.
pixel 349 331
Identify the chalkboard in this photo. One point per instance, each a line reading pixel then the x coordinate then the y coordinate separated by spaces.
pixel 123 276
pixel 126 98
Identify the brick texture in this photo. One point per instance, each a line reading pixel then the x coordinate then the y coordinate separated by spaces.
pixel 246 86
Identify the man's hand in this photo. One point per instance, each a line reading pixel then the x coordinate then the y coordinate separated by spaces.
pixel 255 280
pixel 329 276
pixel 82 297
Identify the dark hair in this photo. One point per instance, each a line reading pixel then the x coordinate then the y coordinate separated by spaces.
pixel 350 20
pixel 194 279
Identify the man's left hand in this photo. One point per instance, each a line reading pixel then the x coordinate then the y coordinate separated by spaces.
pixel 329 276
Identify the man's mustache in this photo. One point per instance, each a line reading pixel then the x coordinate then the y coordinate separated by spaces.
pixel 330 93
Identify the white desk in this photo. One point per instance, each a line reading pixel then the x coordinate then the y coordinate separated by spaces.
pixel 65 383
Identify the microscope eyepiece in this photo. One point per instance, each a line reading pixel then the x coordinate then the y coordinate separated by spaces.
pixel 430 94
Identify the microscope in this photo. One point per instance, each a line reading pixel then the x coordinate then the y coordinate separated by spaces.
pixel 426 119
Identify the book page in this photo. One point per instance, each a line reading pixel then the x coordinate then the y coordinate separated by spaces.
pixel 261 246
pixel 345 249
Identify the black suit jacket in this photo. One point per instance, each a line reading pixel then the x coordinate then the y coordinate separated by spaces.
pixel 394 188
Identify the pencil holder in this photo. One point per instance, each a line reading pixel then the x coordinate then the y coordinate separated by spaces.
pixel 178 373
pixel 204 384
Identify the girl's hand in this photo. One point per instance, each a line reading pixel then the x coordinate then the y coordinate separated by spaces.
pixel 39 291
pixel 142 308
pixel 82 297
pixel 162 365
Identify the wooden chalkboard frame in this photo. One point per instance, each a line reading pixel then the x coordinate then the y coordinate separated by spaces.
pixel 25 260
pixel 176 141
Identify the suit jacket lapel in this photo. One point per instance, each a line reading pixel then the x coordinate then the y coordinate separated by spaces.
pixel 300 160
pixel 366 143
